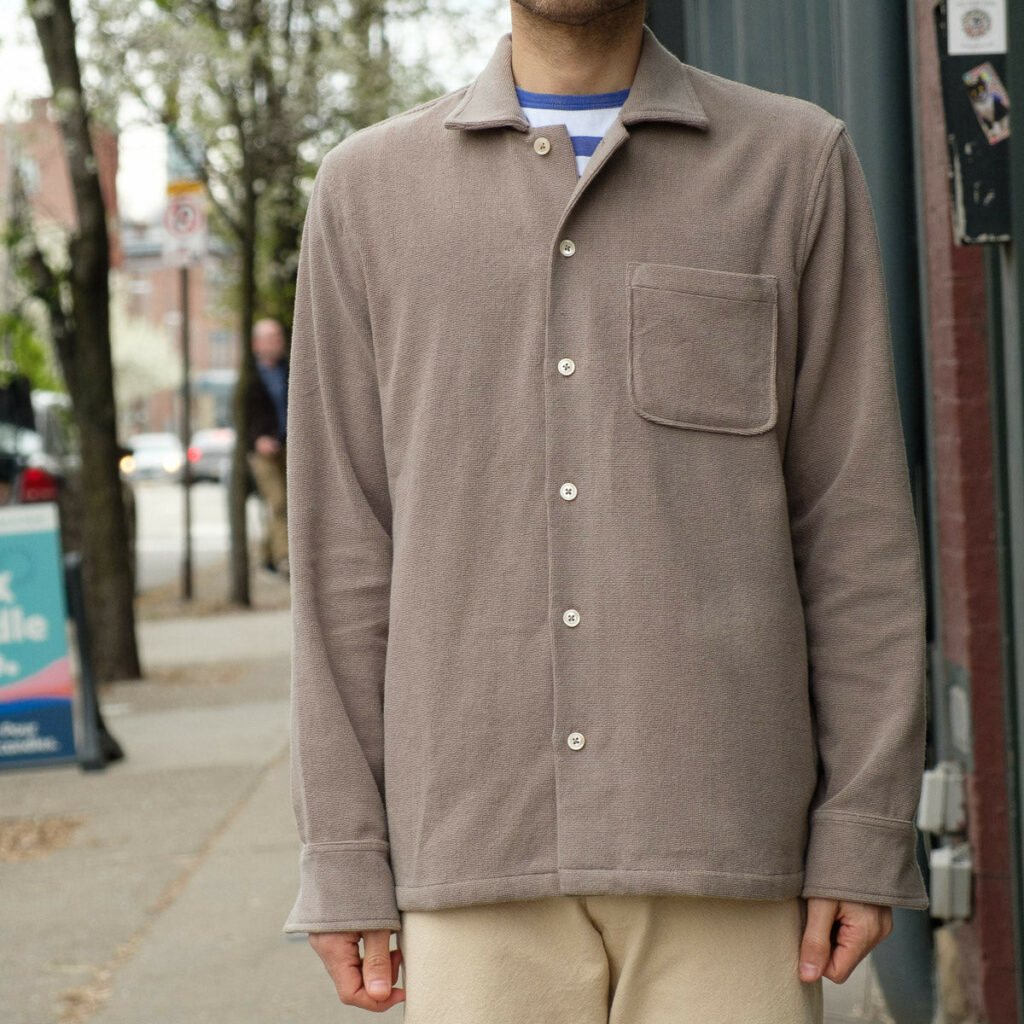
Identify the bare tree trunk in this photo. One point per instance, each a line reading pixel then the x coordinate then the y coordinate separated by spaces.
pixel 86 362
pixel 372 87
pixel 244 103
pixel 240 568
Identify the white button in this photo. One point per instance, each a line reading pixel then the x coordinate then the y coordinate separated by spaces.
pixel 566 246
pixel 567 491
pixel 575 740
pixel 541 145
pixel 571 617
pixel 566 367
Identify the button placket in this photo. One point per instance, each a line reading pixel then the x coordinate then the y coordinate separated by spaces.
pixel 567 410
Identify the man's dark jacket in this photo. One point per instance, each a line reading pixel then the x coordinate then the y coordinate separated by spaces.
pixel 263 419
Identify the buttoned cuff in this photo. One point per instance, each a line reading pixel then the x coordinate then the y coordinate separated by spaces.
pixel 344 887
pixel 864 858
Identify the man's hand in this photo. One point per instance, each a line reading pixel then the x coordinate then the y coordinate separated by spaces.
pixel 267 445
pixel 365 983
pixel 859 927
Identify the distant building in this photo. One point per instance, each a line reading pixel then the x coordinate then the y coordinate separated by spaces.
pixel 145 292
pixel 153 295
pixel 38 150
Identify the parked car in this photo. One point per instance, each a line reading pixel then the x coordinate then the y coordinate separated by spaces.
pixel 27 472
pixel 210 453
pixel 43 463
pixel 154 456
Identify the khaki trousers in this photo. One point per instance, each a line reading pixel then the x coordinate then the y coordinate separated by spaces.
pixel 269 473
pixel 608 959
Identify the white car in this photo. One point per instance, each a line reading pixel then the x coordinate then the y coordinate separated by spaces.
pixel 157 456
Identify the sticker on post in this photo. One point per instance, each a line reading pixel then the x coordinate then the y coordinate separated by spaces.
pixel 990 100
pixel 976 26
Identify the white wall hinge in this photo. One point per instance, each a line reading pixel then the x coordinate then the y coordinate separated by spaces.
pixel 950 871
pixel 942 807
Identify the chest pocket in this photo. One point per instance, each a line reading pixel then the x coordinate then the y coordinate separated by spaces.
pixel 702 347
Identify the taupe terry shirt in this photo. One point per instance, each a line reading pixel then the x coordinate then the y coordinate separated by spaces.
pixel 605 571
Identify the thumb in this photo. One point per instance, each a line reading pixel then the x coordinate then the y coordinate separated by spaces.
pixel 816 947
pixel 377 963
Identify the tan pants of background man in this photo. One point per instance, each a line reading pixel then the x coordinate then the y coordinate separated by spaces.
pixel 269 473
pixel 608 960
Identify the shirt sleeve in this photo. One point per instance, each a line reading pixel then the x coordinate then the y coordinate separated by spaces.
pixel 857 555
pixel 339 530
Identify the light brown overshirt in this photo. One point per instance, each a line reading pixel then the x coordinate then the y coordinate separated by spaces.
pixel 605 570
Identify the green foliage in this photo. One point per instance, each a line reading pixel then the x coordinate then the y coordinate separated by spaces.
pixel 30 354
pixel 37 277
pixel 267 87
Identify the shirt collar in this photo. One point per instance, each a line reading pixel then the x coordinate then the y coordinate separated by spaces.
pixel 661 91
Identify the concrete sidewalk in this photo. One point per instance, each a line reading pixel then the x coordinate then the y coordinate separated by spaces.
pixel 154 892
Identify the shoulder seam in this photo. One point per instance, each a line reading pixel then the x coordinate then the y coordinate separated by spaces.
pixel 836 130
pixel 315 207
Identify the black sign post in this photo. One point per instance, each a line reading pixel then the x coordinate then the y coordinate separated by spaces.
pixel 977 106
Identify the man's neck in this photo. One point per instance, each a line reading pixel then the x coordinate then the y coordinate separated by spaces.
pixel 600 56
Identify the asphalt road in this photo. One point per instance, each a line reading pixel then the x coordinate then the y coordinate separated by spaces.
pixel 160 541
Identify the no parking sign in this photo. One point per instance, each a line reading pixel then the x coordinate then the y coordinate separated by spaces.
pixel 184 224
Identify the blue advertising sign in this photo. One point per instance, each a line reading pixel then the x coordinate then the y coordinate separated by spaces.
pixel 36 682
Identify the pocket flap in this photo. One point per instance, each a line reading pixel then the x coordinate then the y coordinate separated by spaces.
pixel 702 347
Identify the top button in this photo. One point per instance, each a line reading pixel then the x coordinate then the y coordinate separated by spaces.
pixel 567 247
pixel 566 366
pixel 541 145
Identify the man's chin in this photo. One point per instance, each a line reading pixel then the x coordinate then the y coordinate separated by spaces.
pixel 566 12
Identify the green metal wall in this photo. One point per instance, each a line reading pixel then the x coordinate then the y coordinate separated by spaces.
pixel 851 57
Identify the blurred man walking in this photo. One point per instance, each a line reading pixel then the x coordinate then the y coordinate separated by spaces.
pixel 268 426
pixel 608 610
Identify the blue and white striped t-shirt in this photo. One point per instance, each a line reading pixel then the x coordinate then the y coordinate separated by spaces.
pixel 587 117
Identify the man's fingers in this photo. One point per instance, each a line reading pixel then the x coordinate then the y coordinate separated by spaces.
pixel 849 952
pixel 377 965
pixel 350 973
pixel 862 926
pixel 816 947
pixel 838 935
pixel 340 953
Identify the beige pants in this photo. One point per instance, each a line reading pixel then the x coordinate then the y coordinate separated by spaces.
pixel 608 960
pixel 269 473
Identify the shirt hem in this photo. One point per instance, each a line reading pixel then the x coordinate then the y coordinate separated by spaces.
pixel 596 882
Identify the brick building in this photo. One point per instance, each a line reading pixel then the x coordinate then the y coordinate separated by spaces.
pixel 37 147
pixel 152 295
pixel 146 301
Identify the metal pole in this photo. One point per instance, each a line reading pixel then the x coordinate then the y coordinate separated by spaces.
pixel 186 434
pixel 90 755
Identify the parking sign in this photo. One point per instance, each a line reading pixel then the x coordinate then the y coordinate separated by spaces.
pixel 184 224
